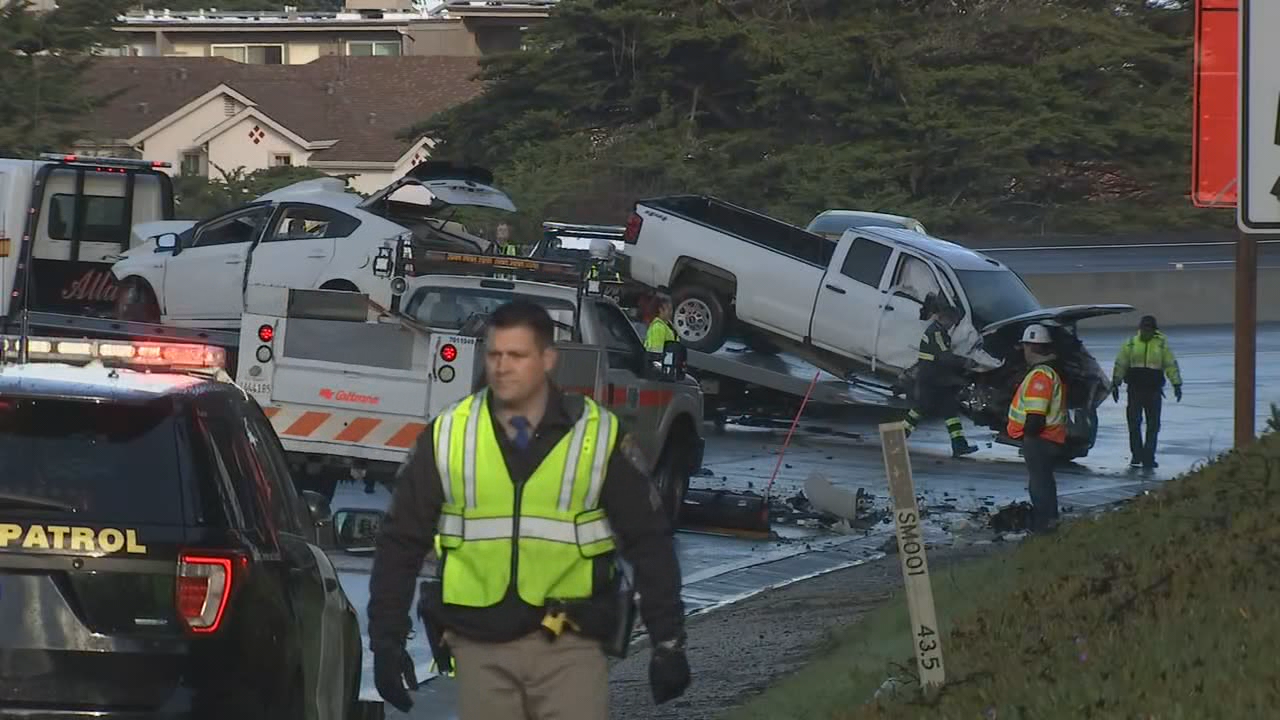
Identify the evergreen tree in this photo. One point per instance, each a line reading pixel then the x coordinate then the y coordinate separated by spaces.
pixel 43 105
pixel 969 114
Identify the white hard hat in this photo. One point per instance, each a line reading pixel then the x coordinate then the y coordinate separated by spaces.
pixel 1037 334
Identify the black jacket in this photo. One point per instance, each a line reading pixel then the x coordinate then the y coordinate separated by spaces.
pixel 939 365
pixel 629 498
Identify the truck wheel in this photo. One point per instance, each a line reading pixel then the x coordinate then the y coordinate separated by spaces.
pixel 136 302
pixel 673 480
pixel 699 317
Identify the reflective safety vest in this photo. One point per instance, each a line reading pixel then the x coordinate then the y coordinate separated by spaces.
pixel 1142 362
pixel 659 334
pixel 553 525
pixel 1041 392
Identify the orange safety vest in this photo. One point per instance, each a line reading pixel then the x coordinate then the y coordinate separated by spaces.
pixel 1041 392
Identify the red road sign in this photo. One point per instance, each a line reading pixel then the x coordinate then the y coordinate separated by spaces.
pixel 1216 123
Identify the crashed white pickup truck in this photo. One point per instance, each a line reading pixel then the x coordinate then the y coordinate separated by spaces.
pixel 854 306
pixel 309 235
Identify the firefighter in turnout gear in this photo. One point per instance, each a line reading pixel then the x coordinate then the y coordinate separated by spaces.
pixel 938 378
pixel 527 494
pixel 1143 363
pixel 1038 417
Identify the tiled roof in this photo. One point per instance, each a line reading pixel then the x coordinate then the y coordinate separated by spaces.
pixel 362 102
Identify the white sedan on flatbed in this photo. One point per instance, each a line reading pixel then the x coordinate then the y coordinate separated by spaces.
pixel 312 234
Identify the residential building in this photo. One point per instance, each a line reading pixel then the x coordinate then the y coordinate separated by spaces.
pixel 341 115
pixel 361 28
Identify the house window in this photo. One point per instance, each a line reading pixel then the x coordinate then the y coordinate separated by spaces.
pixel 251 54
pixel 281 160
pixel 193 163
pixel 366 48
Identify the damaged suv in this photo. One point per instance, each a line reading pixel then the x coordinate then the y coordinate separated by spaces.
pixel 312 234
pixel 854 306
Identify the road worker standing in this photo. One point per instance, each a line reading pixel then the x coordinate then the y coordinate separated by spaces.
pixel 937 378
pixel 527 493
pixel 660 330
pixel 1038 417
pixel 1143 363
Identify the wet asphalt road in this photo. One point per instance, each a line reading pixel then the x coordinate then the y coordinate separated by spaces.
pixel 721 570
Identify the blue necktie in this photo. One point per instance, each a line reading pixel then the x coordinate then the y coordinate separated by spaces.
pixel 521 424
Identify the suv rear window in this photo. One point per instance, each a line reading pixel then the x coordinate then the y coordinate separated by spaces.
pixel 459 309
pixel 114 463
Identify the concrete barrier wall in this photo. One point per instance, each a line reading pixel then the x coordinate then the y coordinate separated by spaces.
pixel 1175 297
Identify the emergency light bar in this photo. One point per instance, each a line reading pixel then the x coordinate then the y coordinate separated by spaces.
pixel 106 161
pixel 119 353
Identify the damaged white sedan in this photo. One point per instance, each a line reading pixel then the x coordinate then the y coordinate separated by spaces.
pixel 310 235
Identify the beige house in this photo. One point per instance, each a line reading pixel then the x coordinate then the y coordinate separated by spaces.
pixel 341 115
pixel 362 28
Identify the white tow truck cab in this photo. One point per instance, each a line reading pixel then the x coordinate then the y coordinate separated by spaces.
pixel 71 216
pixel 349 385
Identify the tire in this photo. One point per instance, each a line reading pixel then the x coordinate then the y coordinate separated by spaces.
pixel 136 302
pixel 700 318
pixel 673 479
pixel 341 285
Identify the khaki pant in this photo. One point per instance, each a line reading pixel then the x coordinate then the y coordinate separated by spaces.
pixel 531 678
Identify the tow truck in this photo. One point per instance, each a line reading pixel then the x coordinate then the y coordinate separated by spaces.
pixel 740 379
pixel 349 385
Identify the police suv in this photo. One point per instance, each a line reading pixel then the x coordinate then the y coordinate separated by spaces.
pixel 155 557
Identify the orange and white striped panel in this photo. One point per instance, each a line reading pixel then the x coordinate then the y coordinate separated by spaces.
pixel 368 430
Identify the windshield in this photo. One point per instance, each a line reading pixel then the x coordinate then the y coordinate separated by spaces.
pixel 464 310
pixel 104 462
pixel 996 295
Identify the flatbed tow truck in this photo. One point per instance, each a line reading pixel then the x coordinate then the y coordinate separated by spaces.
pixel 737 379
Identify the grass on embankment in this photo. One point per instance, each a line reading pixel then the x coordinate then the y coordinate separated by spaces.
pixel 1165 608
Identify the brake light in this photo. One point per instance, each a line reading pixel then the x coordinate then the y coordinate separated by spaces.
pixel 448 353
pixel 204 585
pixel 632 233
pixel 265 333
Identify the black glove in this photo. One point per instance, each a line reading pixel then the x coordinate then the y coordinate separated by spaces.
pixel 1115 392
pixel 1177 392
pixel 668 673
pixel 392 670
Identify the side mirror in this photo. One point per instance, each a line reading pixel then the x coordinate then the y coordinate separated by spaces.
pixel 167 241
pixel 675 359
pixel 357 529
pixel 321 517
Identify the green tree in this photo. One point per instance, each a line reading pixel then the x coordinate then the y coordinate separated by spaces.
pixel 43 105
pixel 970 114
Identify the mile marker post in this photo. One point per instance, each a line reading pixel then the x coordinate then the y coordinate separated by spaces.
pixel 915 567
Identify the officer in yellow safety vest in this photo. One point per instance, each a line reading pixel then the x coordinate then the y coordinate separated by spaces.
pixel 660 331
pixel 1038 417
pixel 1143 363
pixel 527 493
